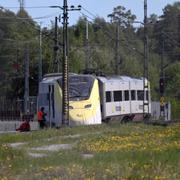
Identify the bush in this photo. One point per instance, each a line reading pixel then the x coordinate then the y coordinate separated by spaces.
pixel 175 109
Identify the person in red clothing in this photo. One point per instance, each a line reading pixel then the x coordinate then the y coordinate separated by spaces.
pixel 41 118
pixel 24 127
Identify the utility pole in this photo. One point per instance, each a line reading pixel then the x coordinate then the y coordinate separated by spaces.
pixel 117 60
pixel 65 64
pixel 117 23
pixel 65 73
pixel 145 78
pixel 26 79
pixel 87 45
pixel 161 80
pixel 56 47
pixel 21 2
pixel 17 60
pixel 40 55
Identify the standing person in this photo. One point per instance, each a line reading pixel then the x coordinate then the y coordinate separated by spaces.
pixel 41 118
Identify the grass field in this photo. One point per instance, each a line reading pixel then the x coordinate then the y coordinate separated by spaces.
pixel 108 151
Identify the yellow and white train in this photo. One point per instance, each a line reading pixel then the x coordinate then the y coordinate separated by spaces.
pixel 93 99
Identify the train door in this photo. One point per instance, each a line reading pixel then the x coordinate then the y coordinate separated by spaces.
pixel 126 97
pixel 51 106
pixel 133 97
pixel 110 109
pixel 117 96
pixel 55 105
pixel 139 97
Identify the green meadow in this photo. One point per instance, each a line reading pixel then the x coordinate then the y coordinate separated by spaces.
pixel 107 151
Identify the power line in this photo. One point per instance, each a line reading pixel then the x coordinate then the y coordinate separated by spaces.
pixel 109 35
pixel 172 40
pixel 100 26
pixel 86 16
pixel 89 12
pixel 19 41
pixel 19 18
pixel 28 7
pixel 7 56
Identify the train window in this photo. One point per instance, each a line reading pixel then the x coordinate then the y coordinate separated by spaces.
pixel 43 99
pixel 108 96
pixel 133 95
pixel 117 96
pixel 147 95
pixel 140 95
pixel 126 95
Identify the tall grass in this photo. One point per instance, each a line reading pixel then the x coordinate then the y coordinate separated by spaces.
pixel 130 151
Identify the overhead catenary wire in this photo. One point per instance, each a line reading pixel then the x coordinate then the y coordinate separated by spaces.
pixel 42 17
pixel 105 31
pixel 86 16
pixel 25 20
pixel 89 12
pixel 19 41
pixel 172 41
pixel 109 34
pixel 114 39
pixel 27 7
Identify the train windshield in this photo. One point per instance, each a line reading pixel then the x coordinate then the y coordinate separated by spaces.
pixel 79 87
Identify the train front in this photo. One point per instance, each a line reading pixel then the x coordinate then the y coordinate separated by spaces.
pixel 84 100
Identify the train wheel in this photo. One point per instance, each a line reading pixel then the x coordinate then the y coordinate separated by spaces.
pixel 106 120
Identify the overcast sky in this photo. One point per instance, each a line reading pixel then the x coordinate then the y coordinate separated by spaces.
pixel 99 8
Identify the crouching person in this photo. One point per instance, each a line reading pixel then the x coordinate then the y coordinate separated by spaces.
pixel 24 127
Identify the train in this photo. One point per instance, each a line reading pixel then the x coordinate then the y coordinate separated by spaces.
pixel 94 99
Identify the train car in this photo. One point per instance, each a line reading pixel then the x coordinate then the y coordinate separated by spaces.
pixel 122 97
pixel 50 97
pixel 93 99
pixel 84 100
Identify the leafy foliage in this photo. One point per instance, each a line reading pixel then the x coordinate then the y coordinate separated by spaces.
pixel 100 50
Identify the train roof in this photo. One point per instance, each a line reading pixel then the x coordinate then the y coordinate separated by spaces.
pixel 50 79
pixel 56 76
pixel 53 77
pixel 119 78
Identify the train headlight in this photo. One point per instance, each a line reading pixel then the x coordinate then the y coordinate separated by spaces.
pixel 88 106
pixel 70 107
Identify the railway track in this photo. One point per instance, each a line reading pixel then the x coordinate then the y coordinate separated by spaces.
pixel 162 123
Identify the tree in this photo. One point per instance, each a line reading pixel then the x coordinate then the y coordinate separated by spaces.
pixel 15 33
pixel 167 29
pixel 173 80
pixel 123 17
